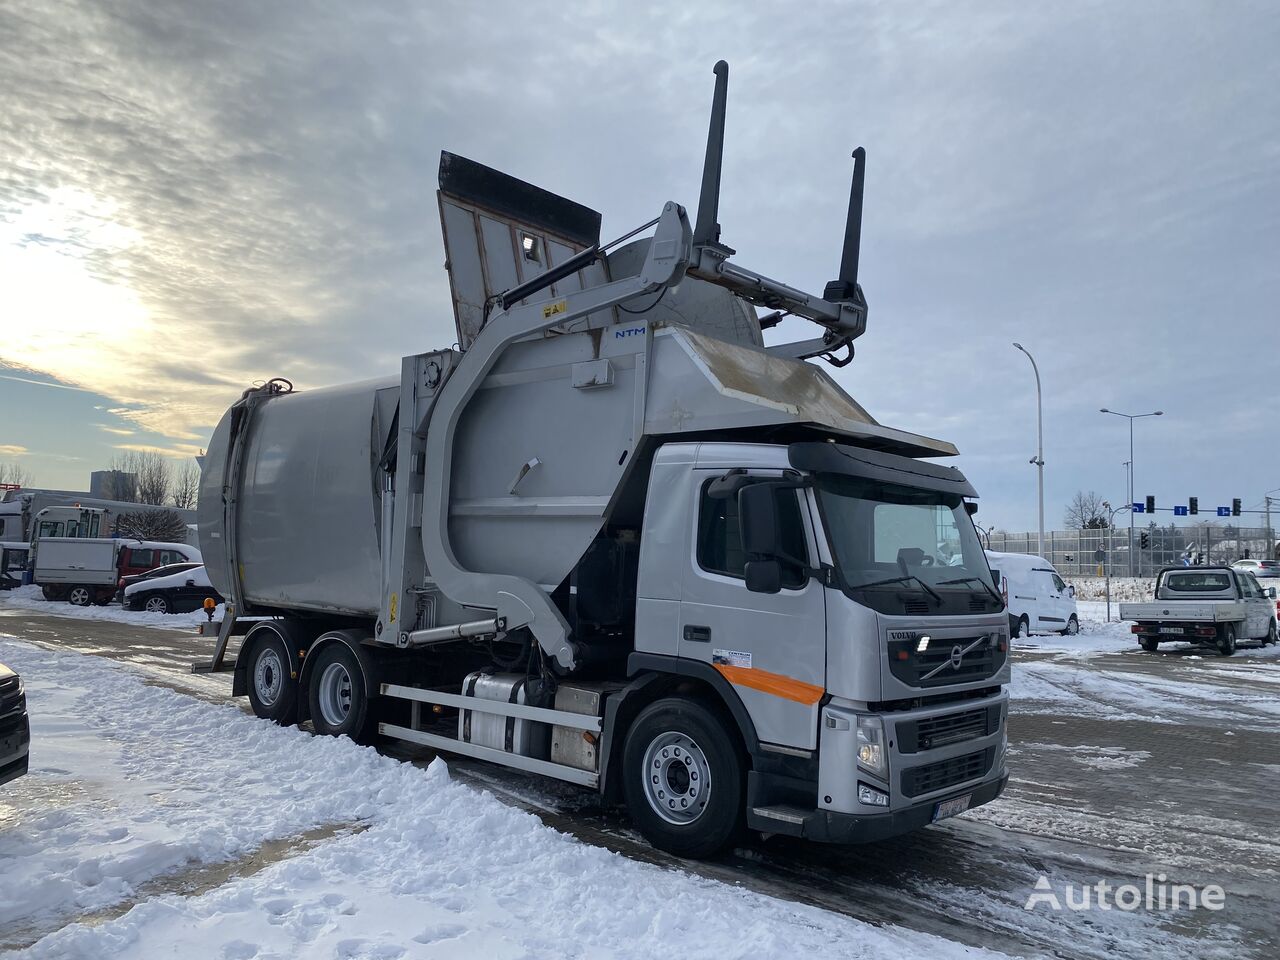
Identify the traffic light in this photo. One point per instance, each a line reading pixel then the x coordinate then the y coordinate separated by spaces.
pixel 1235 507
pixel 1151 504
pixel 1193 505
pixel 1146 540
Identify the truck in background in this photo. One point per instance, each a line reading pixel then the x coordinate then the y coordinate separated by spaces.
pixel 614 539
pixel 19 507
pixel 88 570
pixel 1207 606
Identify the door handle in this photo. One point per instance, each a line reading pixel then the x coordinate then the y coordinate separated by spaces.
pixel 697 634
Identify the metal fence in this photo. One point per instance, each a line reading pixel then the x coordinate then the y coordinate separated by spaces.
pixel 1081 552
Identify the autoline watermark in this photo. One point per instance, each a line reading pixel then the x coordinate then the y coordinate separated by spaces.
pixel 1156 893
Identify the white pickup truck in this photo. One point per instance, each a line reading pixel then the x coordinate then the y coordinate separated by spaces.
pixel 1212 606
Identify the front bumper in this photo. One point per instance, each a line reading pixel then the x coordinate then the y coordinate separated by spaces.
pixel 829 826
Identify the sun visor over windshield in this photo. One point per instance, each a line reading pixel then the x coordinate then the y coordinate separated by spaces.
pixel 873 465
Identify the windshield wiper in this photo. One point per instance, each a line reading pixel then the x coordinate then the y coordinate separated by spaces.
pixel 906 576
pixel 990 589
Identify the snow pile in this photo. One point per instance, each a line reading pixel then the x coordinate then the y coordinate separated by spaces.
pixel 131 782
pixel 30 598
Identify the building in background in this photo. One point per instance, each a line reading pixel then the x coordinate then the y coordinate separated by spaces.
pixel 110 484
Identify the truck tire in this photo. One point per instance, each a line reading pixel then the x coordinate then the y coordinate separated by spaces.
pixel 80 595
pixel 1149 644
pixel 683 778
pixel 1271 636
pixel 336 697
pixel 272 681
pixel 1227 640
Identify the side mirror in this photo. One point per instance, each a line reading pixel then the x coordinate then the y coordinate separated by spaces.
pixel 1271 592
pixel 763 576
pixel 758 517
pixel 191 583
pixel 970 508
pixel 1071 591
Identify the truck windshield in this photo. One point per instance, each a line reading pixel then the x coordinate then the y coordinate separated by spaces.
pixel 894 544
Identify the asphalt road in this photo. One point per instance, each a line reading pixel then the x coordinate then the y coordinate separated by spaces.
pixel 1123 765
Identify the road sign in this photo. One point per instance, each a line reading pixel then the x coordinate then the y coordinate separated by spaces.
pixel 1179 511
pixel 1142 508
pixel 1224 511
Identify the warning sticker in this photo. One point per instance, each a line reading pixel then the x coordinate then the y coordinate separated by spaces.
pixel 731 658
pixel 551 309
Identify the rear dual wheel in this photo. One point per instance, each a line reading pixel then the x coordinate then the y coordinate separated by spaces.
pixel 272 677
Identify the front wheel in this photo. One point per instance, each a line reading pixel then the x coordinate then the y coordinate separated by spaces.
pixel 158 603
pixel 1271 634
pixel 1073 626
pixel 683 778
pixel 1227 640
pixel 273 682
pixel 336 697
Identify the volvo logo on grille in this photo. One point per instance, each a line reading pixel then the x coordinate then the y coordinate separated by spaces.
pixel 957 656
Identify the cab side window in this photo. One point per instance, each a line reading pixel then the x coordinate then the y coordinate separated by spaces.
pixel 1059 584
pixel 720 536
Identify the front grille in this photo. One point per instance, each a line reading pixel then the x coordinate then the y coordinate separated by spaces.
pixel 913 669
pixel 949 728
pixel 946 773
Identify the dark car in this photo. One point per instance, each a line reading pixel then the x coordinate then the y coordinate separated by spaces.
pixel 153 574
pixel 178 592
pixel 15 729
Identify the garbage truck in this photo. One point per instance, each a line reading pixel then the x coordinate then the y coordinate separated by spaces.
pixel 612 536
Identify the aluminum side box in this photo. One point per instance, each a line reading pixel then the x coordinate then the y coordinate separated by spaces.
pixel 525 737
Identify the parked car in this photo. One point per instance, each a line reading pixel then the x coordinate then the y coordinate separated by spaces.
pixel 1208 606
pixel 1259 568
pixel 15 728
pixel 167 570
pixel 177 593
pixel 1037 598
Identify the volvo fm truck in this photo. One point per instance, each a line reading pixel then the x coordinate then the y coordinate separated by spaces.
pixel 615 537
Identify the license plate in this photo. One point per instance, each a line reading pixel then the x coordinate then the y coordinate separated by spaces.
pixel 949 808
pixel 1171 630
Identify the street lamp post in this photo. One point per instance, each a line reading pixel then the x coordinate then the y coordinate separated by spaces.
pixel 1111 523
pixel 1131 417
pixel 1039 459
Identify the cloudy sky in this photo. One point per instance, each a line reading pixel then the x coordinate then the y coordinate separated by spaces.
pixel 194 196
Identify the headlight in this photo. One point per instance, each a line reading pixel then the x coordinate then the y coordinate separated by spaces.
pixel 871 756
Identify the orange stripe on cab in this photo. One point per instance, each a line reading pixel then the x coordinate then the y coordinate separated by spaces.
pixel 772 683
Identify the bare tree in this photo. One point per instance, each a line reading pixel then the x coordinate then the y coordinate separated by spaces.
pixel 155 476
pixel 15 474
pixel 166 525
pixel 122 483
pixel 186 485
pixel 1086 512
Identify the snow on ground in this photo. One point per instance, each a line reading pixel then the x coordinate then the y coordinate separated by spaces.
pixel 30 598
pixel 131 783
pixel 1054 678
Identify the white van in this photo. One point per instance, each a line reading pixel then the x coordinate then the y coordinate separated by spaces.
pixel 1038 599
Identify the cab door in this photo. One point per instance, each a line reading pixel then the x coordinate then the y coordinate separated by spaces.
pixel 770 647
pixel 1257 606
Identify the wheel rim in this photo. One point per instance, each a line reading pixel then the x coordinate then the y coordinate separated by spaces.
pixel 268 676
pixel 1073 626
pixel 156 605
pixel 335 694
pixel 79 596
pixel 677 778
pixel 1024 628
